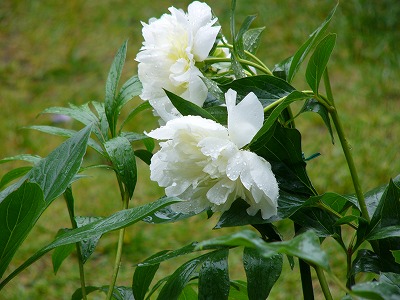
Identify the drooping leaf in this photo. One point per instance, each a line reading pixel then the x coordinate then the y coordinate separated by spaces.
pixel 18 214
pixel 261 272
pixel 110 104
pixel 87 245
pixel 288 68
pixel 143 277
pixel 305 246
pixel 144 155
pixel 116 221
pixel 214 277
pixel 188 108
pixel 312 105
pixel 318 61
pixel 122 156
pixel 267 88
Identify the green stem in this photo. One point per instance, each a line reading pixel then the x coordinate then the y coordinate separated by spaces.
pixel 213 60
pixel 69 201
pixel 346 150
pixel 118 255
pixel 323 283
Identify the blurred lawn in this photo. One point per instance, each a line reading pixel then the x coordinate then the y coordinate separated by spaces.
pixel 53 53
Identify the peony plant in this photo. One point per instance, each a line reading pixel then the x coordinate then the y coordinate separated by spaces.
pixel 227 145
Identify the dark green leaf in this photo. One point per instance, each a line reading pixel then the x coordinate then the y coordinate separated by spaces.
pixel 219 113
pixel 319 220
pixel 160 257
pixel 289 67
pixel 102 123
pixel 283 152
pixel 270 121
pixel 116 221
pixel 61 253
pixel 318 61
pixel 18 214
pixel 385 289
pixel 214 91
pixel 312 105
pixel 144 155
pixel 305 246
pixel 251 39
pixel 366 261
pixel 188 108
pixel 13 174
pixel 130 89
pixel 111 86
pixel 123 159
pixel 267 88
pixel 238 42
pixel 88 245
pixel 143 277
pixel 214 277
pixel 261 272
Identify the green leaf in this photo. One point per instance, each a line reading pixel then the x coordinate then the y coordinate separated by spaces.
pixel 312 105
pixel 239 43
pixel 366 261
pixel 396 255
pixel 305 246
pixel 144 155
pixel 33 159
pixel 114 75
pixel 238 290
pixel 13 174
pixel 219 113
pixel 87 245
pixel 318 61
pixel 116 221
pixel 166 215
pixel 66 133
pixel 288 68
pixel 18 214
pixel 188 108
pixel 143 277
pixel 131 88
pixel 261 272
pixel 123 159
pixel 61 253
pixel 214 277
pixel 387 288
pixel 119 292
pixel 269 122
pixel 160 257
pixel 252 38
pixel 267 88
pixel 283 152
pixel 188 294
pixel 178 280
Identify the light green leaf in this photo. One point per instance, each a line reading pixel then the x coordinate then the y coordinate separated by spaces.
pixel 116 221
pixel 122 156
pixel 318 61
pixel 18 214
pixel 111 86
pixel 252 38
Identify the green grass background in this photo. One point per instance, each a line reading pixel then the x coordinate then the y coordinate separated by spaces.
pixel 57 52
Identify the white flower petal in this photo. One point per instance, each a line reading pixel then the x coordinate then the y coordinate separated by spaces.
pixel 244 119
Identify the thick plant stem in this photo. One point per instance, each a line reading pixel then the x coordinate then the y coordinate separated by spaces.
pixel 323 283
pixel 346 150
pixel 305 275
pixel 69 200
pixel 118 255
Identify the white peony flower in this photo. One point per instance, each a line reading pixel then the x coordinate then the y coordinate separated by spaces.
pixel 172 46
pixel 201 161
